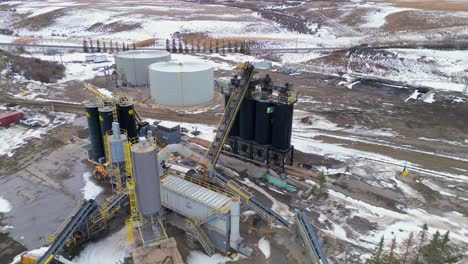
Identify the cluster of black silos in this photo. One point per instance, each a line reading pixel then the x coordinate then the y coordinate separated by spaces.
pixel 265 122
pixel 100 122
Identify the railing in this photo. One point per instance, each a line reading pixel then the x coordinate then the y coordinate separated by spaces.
pixel 201 236
pixel 52 237
pixel 206 185
pixel 153 242
pixel 203 219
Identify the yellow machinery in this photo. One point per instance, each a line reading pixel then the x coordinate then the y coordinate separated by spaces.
pixel 100 173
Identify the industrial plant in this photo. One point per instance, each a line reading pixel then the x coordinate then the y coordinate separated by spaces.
pixel 149 190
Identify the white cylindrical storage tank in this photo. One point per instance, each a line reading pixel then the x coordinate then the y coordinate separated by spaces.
pixel 181 83
pixel 132 65
pixel 147 181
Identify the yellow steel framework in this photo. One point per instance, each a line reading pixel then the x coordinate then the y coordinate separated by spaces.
pixel 129 226
pixel 154 242
pixel 52 237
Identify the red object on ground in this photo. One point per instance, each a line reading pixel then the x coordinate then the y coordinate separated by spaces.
pixel 9 118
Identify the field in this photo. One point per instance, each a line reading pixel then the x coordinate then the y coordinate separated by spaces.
pixel 383 85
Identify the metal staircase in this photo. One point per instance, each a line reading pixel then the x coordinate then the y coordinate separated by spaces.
pixel 200 235
pixel 230 112
pixel 307 233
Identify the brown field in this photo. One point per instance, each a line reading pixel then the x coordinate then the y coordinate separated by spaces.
pixel 442 5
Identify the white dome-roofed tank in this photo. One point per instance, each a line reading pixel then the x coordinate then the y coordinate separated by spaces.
pixel 132 65
pixel 177 83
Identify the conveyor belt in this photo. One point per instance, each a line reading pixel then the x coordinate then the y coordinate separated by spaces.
pixel 310 238
pixel 86 210
pixel 230 113
pixel 249 200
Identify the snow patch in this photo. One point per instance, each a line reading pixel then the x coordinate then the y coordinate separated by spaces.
pixel 264 246
pixel 5 206
pixel 90 190
pixel 112 249
pixel 197 257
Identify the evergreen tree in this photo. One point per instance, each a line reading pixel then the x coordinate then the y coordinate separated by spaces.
pixel 247 49
pixel 446 250
pixel 229 46
pixel 168 48
pixel 408 243
pixel 211 47
pixel 111 47
pixel 104 48
pixel 91 47
pixel 174 47
pixel 85 46
pixel 98 46
pixel 236 48
pixel 242 48
pixel 134 46
pixel 376 257
pixel 181 49
pixel 432 253
pixel 422 239
pixel 322 186
pixel 193 47
pixel 123 47
pixel 217 46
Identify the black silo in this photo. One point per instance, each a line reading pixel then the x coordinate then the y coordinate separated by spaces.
pixel 281 124
pixel 235 126
pixel 247 119
pixel 97 146
pixel 126 114
pixel 105 119
pixel 262 123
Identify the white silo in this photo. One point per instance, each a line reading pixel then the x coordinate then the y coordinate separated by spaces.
pixel 177 83
pixel 132 65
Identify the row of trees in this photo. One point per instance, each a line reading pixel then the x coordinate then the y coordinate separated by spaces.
pixel 208 46
pixel 90 47
pixel 415 250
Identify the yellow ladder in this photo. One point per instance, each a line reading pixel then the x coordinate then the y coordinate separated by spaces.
pixel 132 198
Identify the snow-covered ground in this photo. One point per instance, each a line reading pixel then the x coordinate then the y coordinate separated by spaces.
pixel 112 249
pixel 383 172
pixel 264 246
pixel 197 257
pixel 90 190
pixel 439 69
pixel 5 206
pixel 18 135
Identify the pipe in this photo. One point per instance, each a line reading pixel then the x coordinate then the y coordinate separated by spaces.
pixel 235 216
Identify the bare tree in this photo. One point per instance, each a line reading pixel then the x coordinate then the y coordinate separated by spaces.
pixel 408 243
